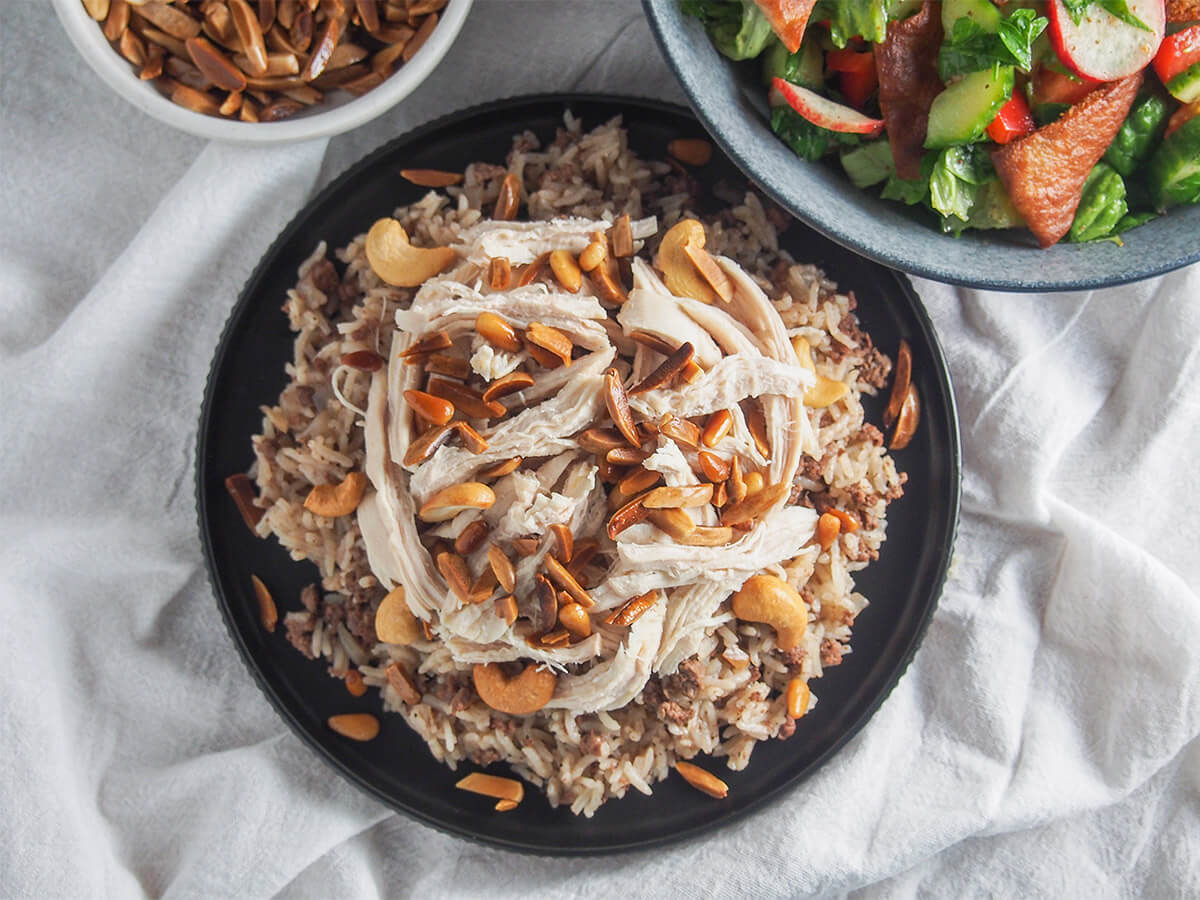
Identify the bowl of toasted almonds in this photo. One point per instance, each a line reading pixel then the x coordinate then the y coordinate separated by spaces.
pixel 263 71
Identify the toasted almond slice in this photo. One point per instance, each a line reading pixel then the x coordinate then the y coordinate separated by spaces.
pixel 153 68
pixel 368 14
pixel 458 578
pixel 621 236
pixel 266 14
pixel 900 382
pixel 450 366
pixel 433 409
pixel 471 439
pixel 507 384
pixel 267 613
pixel 334 500
pixel 632 610
pixel 533 271
pixel 575 619
pixel 504 789
pixel 754 505
pixel 423 7
pixel 691 372
pixel 798 697
pixel 714 468
pixel 367 360
pixel 430 343
pixel 737 484
pixel 134 50
pixel 250 33
pixel 679 497
pixel 171 44
pixel 497 332
pixel 301 33
pixel 395 34
pixel 709 536
pixel 509 200
pixel 418 40
pixel 717 426
pixel 627 456
pixel 710 271
pixel 524 546
pixel 653 342
pixel 248 111
pixel 468 401
pixel 607 283
pixel 502 566
pixel 97 9
pixel 499 273
pixel 215 65
pixel 630 514
pixel 555 638
pixel 547 600
pixel 583 553
pixel 241 489
pixel 618 407
pixel 402 684
pixel 426 445
pixel 593 255
pixel 319 58
pixel 756 422
pixel 427 628
pixel 343 56
pixel 564 541
pixel 500 469
pixel 450 501
pixel 637 481
pixel 680 430
pixel 170 19
pixel 666 371
pixel 309 96
pixel 277 83
pixel 720 496
pixel 232 103
pixel 737 658
pixel 362 84
pixel 483 587
pixel 674 522
pixel 471 538
pixel 566 270
pixel 550 339
pixel 702 780
pixel 906 422
pixel 693 151
pixel 117 20
pixel 506 608
pixel 600 440
pixel 279 109
pixel 564 579
pixel 356 726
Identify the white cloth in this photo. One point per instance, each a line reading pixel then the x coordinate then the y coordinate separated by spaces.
pixel 1043 743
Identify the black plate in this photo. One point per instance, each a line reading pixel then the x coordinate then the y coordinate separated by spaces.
pixel 396 767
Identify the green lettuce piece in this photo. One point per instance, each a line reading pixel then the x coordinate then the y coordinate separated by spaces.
pixel 869 164
pixel 853 18
pixel 1139 134
pixel 807 140
pixel 1101 206
pixel 738 28
pixel 969 48
pixel 957 182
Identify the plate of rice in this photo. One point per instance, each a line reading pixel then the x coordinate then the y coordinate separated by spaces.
pixel 564 494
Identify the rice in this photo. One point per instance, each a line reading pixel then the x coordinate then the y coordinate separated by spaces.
pixel 730 695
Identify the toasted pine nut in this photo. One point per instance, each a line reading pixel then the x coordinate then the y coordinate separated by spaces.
pixel 828 528
pixel 502 566
pixel 356 726
pixel 754 483
pixel 566 270
pixel 849 523
pixel 638 480
pixel 430 408
pixel 593 255
pixel 717 426
pixel 575 619
pixel 714 468
pixel 693 151
pixel 798 695
pixel 497 332
pixel 355 684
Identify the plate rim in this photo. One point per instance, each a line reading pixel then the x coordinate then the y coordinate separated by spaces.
pixel 239 308
pixel 911 263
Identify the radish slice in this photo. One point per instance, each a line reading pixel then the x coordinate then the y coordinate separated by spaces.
pixel 1103 47
pixel 822 111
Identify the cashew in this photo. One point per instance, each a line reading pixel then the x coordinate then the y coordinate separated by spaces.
pixel 687 267
pixel 519 695
pixel 450 501
pixel 826 391
pixel 394 621
pixel 397 261
pixel 771 600
pixel 333 500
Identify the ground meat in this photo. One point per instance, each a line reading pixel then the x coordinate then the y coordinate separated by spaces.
pixel 811 469
pixel 445 688
pixel 310 597
pixel 504 726
pixel 324 277
pixel 823 503
pixel 299 633
pixel 831 652
pixel 675 712
pixel 652 694
pixel 265 447
pixel 461 700
pixel 874 369
pixel 360 619
pixel 871 434
pixel 794 658
pixel 686 680
pixel 860 551
pixel 333 614
pixel 787 729
pixel 591 743
pixel 483 757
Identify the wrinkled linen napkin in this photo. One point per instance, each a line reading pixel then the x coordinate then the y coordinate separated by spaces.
pixel 1043 742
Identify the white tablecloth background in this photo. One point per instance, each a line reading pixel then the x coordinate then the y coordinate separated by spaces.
pixel 1043 743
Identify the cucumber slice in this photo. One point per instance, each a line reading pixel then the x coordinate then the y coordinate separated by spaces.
pixel 804 67
pixel 869 164
pixel 1174 170
pixel 962 112
pixel 982 12
pixel 1185 86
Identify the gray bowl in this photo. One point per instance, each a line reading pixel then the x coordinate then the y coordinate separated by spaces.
pixel 730 100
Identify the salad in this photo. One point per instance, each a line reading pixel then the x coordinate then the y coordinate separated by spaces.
pixel 1077 119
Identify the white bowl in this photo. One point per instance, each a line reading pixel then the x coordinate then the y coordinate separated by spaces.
pixel 338 113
